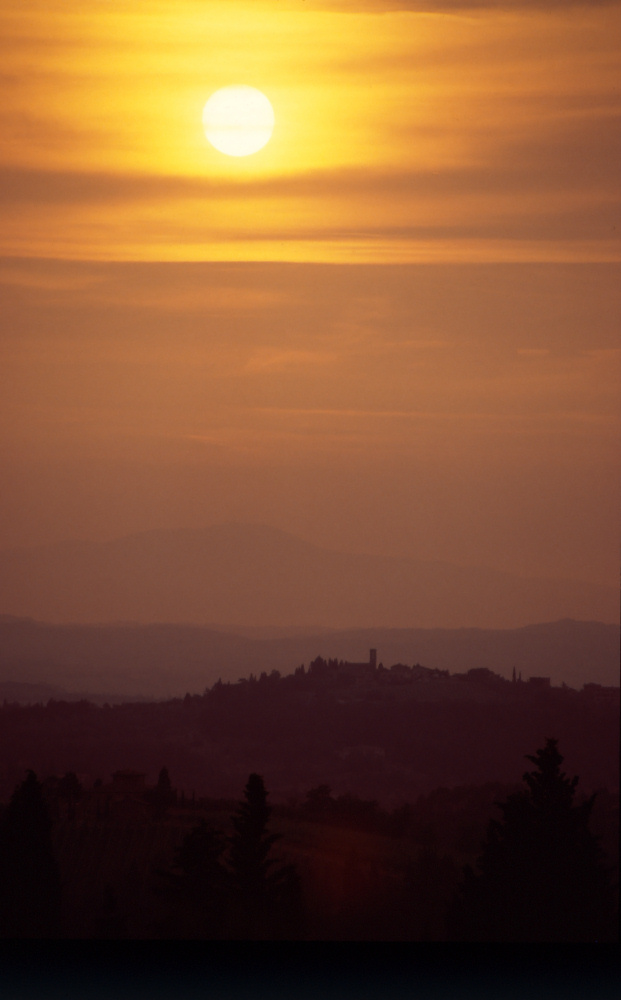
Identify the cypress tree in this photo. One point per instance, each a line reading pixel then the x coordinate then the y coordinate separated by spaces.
pixel 541 875
pixel 264 897
pixel 195 891
pixel 30 890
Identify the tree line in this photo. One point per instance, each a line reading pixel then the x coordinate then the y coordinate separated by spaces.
pixel 541 874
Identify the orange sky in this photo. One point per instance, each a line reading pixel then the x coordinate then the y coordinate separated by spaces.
pixel 393 329
pixel 468 134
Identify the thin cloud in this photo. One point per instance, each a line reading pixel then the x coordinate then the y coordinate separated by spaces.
pixel 45 279
pixel 440 6
pixel 269 360
pixel 574 153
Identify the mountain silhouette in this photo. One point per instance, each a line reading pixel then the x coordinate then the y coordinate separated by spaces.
pixel 255 575
pixel 160 661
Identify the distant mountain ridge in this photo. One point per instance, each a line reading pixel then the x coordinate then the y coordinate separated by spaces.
pixel 162 661
pixel 258 576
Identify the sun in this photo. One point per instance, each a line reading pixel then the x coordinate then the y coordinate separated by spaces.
pixel 238 121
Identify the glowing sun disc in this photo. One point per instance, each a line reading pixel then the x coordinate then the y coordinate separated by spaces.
pixel 238 121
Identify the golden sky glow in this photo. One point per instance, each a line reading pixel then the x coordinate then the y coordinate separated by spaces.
pixel 395 328
pixel 454 133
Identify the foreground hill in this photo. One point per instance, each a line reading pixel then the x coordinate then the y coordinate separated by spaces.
pixel 382 734
pixel 257 575
pixel 118 662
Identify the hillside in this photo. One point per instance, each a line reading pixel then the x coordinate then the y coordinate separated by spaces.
pixel 159 661
pixel 382 734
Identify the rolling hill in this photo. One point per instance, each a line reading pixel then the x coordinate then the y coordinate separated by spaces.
pixel 159 661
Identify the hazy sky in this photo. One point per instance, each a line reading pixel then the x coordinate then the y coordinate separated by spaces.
pixel 393 329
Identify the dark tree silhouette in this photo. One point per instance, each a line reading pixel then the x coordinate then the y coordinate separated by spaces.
pixel 319 802
pixel 30 890
pixel 542 875
pixel 70 790
pixel 164 785
pixel 109 924
pixel 251 843
pixel 266 900
pixel 163 796
pixel 69 787
pixel 199 856
pixel 430 882
pixel 197 888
